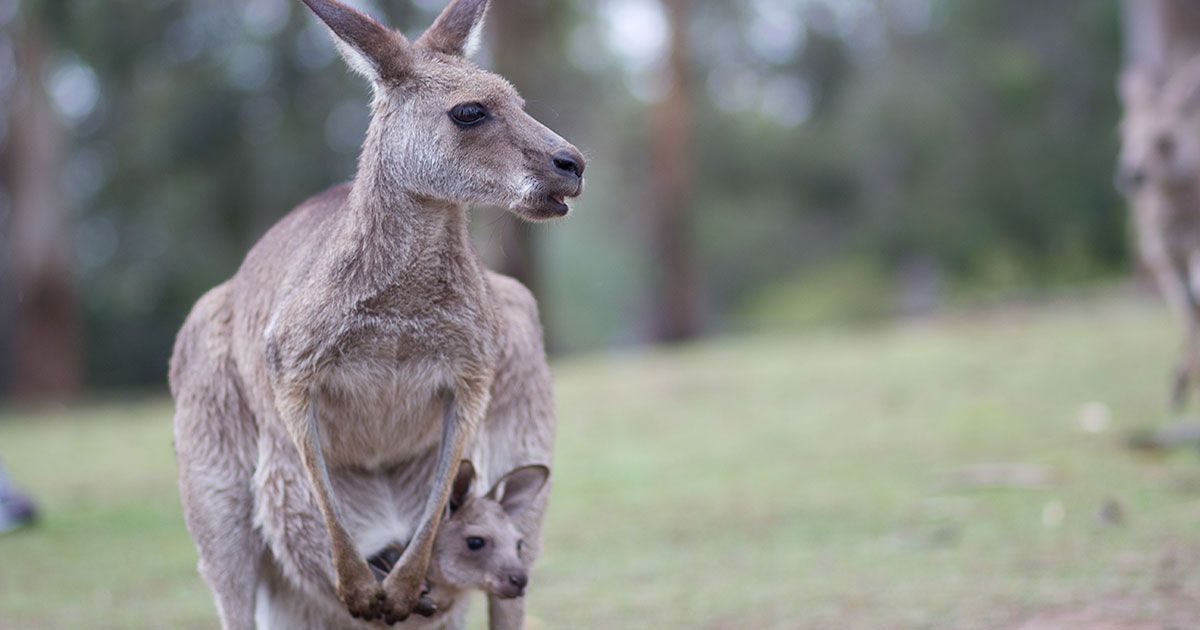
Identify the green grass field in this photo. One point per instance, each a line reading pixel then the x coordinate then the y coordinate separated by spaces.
pixel 823 480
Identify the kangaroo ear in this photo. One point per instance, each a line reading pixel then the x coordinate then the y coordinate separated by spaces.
pixel 457 30
pixel 370 48
pixel 462 485
pixel 516 491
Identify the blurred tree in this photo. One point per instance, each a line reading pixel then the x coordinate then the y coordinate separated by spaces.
pixel 526 50
pixel 805 155
pixel 676 294
pixel 47 357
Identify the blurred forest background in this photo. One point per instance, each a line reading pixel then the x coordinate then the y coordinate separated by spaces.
pixel 831 160
pixel 787 168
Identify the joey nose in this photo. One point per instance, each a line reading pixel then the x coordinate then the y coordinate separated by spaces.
pixel 569 162
pixel 519 580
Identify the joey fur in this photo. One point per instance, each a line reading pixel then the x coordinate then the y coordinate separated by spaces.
pixel 479 546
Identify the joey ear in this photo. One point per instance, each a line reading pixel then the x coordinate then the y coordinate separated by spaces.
pixel 462 484
pixel 457 30
pixel 370 48
pixel 516 491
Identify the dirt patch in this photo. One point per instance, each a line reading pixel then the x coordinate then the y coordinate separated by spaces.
pixel 1118 615
pixel 1173 602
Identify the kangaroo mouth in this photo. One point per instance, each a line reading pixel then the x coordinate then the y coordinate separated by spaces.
pixel 558 204
pixel 547 207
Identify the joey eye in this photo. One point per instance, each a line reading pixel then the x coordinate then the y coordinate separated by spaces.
pixel 520 545
pixel 475 543
pixel 468 114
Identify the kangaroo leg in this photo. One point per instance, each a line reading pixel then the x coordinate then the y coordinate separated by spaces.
pixel 1174 286
pixel 520 424
pixel 404 585
pixel 1190 362
pixel 506 614
pixel 1185 370
pixel 215 441
pixel 217 505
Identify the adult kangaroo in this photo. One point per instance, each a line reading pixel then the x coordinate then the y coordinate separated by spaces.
pixel 1159 172
pixel 363 331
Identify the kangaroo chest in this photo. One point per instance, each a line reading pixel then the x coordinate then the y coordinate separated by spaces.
pixel 383 395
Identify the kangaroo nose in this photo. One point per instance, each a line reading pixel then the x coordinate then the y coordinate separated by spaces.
pixel 569 161
pixel 519 580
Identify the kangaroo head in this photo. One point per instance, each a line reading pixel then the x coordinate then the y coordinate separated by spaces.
pixel 1160 144
pixel 479 545
pixel 443 129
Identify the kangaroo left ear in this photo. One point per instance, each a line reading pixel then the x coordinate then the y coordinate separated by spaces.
pixel 370 48
pixel 461 489
pixel 516 491
pixel 457 30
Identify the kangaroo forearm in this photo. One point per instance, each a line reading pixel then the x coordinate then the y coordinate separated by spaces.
pixel 348 565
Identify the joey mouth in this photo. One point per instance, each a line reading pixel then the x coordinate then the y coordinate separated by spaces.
pixel 509 591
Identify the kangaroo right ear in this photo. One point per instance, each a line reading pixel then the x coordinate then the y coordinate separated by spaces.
pixel 462 485
pixel 370 48
pixel 456 30
pixel 516 491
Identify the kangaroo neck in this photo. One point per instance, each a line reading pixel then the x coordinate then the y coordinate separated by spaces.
pixel 398 229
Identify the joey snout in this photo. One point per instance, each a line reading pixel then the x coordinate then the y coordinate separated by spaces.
pixel 513 585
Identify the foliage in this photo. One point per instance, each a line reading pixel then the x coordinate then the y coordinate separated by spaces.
pixel 962 136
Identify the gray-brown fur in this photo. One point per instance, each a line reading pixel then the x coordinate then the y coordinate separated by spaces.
pixel 326 392
pixel 1159 170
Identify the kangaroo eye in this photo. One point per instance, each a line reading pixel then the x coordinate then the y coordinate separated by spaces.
pixel 520 545
pixel 468 114
pixel 475 543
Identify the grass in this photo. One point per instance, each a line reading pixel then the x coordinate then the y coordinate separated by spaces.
pixel 810 481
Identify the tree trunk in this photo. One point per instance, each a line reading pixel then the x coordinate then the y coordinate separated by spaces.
pixel 47 358
pixel 676 292
pixel 524 53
